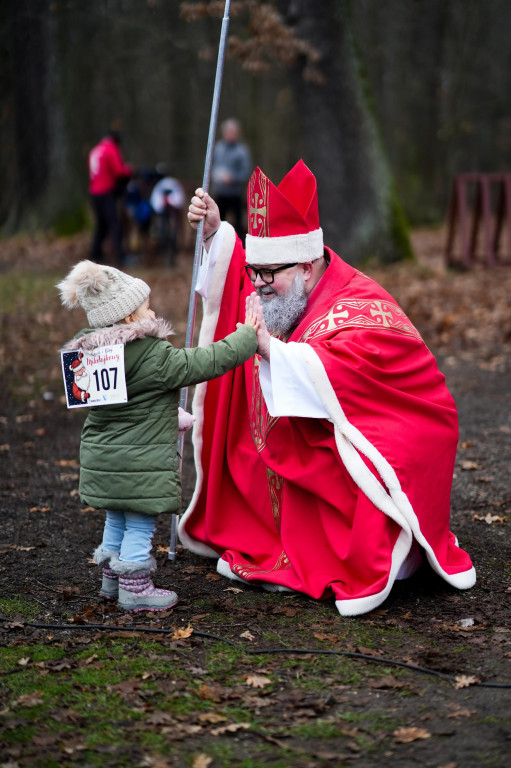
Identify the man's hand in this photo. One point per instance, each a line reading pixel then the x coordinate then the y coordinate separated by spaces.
pixel 202 206
pixel 254 309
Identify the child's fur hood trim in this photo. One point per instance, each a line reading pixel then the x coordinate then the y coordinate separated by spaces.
pixel 121 333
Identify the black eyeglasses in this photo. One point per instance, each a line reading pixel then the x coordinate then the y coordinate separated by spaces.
pixel 267 275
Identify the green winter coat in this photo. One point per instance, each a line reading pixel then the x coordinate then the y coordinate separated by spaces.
pixel 128 452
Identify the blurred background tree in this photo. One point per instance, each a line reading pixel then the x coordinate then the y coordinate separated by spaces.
pixel 384 99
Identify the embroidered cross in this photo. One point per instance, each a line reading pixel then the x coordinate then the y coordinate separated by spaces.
pixel 379 312
pixel 257 209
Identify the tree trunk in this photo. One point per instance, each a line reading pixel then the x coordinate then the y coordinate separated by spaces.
pixel 28 56
pixel 358 207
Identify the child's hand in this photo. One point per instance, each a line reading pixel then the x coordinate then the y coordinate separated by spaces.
pixel 254 308
pixel 185 420
pixel 253 312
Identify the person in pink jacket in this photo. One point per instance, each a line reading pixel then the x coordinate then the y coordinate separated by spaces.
pixel 108 174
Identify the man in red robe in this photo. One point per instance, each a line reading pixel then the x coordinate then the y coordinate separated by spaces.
pixel 324 466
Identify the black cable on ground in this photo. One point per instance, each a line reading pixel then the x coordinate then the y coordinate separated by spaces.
pixel 262 651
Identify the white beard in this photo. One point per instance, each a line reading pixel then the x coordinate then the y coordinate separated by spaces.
pixel 282 312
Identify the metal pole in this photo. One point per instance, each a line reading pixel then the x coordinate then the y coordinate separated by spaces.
pixel 198 241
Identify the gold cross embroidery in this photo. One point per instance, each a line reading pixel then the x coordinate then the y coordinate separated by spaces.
pixel 257 209
pixel 379 312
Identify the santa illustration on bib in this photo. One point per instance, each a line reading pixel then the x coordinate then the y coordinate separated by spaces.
pixel 81 382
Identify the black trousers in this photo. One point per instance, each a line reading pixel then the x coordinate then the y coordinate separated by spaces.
pixel 107 223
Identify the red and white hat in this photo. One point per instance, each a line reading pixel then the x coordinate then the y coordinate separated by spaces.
pixel 76 363
pixel 283 221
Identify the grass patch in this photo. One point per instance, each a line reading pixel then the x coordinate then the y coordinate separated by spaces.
pixel 19 607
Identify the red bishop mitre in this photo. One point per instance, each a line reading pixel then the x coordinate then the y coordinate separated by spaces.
pixel 283 221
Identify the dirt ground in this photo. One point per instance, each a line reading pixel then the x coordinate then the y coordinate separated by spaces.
pixel 47 536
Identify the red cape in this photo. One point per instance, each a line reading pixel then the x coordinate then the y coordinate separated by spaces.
pixel 326 506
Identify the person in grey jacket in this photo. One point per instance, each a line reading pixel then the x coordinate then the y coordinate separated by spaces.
pixel 129 464
pixel 231 168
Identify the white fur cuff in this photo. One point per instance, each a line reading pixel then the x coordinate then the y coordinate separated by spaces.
pixel 100 555
pixel 121 567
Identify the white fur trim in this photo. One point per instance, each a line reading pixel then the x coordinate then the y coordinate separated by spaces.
pixel 287 249
pixel 224 569
pixel 100 555
pixel 225 239
pixel 121 333
pixel 122 567
pixel 390 499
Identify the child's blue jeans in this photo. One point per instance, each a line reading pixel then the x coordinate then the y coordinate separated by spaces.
pixel 130 534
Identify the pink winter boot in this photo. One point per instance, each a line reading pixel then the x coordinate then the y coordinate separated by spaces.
pixel 136 589
pixel 138 593
pixel 110 584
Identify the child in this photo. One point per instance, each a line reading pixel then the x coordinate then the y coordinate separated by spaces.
pixel 128 452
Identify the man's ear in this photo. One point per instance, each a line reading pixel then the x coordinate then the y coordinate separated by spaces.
pixel 306 270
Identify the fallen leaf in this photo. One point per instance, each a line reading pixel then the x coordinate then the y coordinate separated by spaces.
pixel 159 718
pixel 407 735
pixel 232 728
pixel 180 634
pixel 366 651
pixel 210 692
pixel 5 447
pixel 29 700
pixel 212 717
pixel 247 635
pixel 77 746
pixel 201 761
pixel 489 518
pixel 388 681
pixel 235 590
pixel 179 731
pixel 323 636
pixel 257 681
pixel 462 713
pixel 24 662
pixel 464 681
pixel 213 577
pixel 469 465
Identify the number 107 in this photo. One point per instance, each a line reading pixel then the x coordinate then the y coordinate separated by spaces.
pixel 105 378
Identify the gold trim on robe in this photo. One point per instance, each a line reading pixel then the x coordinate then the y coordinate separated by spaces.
pixel 260 420
pixel 369 314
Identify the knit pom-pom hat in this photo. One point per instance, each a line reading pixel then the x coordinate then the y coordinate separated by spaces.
pixel 106 294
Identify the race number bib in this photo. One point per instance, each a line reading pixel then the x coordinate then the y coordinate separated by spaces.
pixel 94 378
